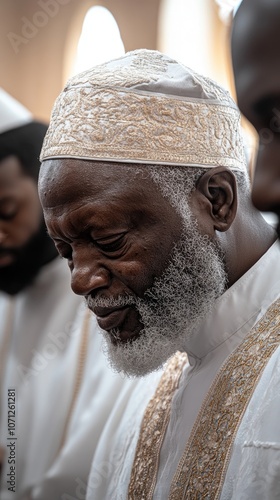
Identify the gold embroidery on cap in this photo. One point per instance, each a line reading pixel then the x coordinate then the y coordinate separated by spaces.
pixel 153 427
pixel 128 126
pixel 203 467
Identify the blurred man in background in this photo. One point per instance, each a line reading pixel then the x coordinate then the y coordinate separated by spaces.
pixel 52 371
pixel 255 43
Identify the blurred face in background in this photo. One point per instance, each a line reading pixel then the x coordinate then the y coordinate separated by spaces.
pixel 21 226
pixel 256 65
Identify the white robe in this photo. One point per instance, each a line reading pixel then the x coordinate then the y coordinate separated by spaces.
pixel 254 468
pixel 41 365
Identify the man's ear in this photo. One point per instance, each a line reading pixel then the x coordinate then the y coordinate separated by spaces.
pixel 218 187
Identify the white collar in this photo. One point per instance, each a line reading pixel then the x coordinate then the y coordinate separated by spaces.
pixel 239 307
pixel 12 113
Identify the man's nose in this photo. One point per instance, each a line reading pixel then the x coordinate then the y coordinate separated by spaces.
pixel 89 277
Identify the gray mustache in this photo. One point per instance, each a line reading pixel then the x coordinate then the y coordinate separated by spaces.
pixel 121 300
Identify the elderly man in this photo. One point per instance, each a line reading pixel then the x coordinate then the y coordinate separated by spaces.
pixel 145 192
pixel 53 376
pixel 255 55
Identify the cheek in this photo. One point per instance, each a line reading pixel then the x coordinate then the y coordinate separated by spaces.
pixel 140 271
pixel 136 275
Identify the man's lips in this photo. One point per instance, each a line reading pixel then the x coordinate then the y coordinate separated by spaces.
pixel 112 317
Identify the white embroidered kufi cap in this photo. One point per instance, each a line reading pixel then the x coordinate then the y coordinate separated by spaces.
pixel 12 113
pixel 145 107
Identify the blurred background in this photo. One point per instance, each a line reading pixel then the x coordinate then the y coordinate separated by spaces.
pixel 43 42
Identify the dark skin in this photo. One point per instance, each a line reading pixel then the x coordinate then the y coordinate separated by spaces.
pixel 24 244
pixel 255 47
pixel 109 234
pixel 19 208
pixel 117 231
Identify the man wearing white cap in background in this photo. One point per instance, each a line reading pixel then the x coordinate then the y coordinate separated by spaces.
pixel 145 192
pixel 53 375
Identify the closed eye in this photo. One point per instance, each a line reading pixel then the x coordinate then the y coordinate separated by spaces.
pixel 8 216
pixel 8 209
pixel 111 244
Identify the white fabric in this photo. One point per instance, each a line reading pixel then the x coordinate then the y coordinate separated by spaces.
pixel 98 103
pixel 42 366
pixel 254 470
pixel 239 2
pixel 234 314
pixel 228 8
pixel 12 113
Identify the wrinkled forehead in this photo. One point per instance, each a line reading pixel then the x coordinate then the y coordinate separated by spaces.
pixel 52 176
pixel 63 180
pixel 63 170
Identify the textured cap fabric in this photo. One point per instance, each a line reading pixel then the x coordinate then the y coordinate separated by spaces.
pixel 145 107
pixel 12 113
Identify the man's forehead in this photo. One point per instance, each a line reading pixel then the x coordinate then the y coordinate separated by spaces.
pixel 66 180
pixel 52 169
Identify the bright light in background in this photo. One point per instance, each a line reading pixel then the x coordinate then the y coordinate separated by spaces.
pixel 100 40
pixel 227 8
pixel 191 32
pixel 185 33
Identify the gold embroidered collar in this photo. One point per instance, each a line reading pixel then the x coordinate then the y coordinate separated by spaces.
pixel 203 466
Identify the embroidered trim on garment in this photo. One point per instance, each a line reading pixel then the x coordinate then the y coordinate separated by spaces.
pixel 152 431
pixel 203 467
pixel 122 125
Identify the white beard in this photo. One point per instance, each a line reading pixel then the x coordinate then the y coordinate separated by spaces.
pixel 172 308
